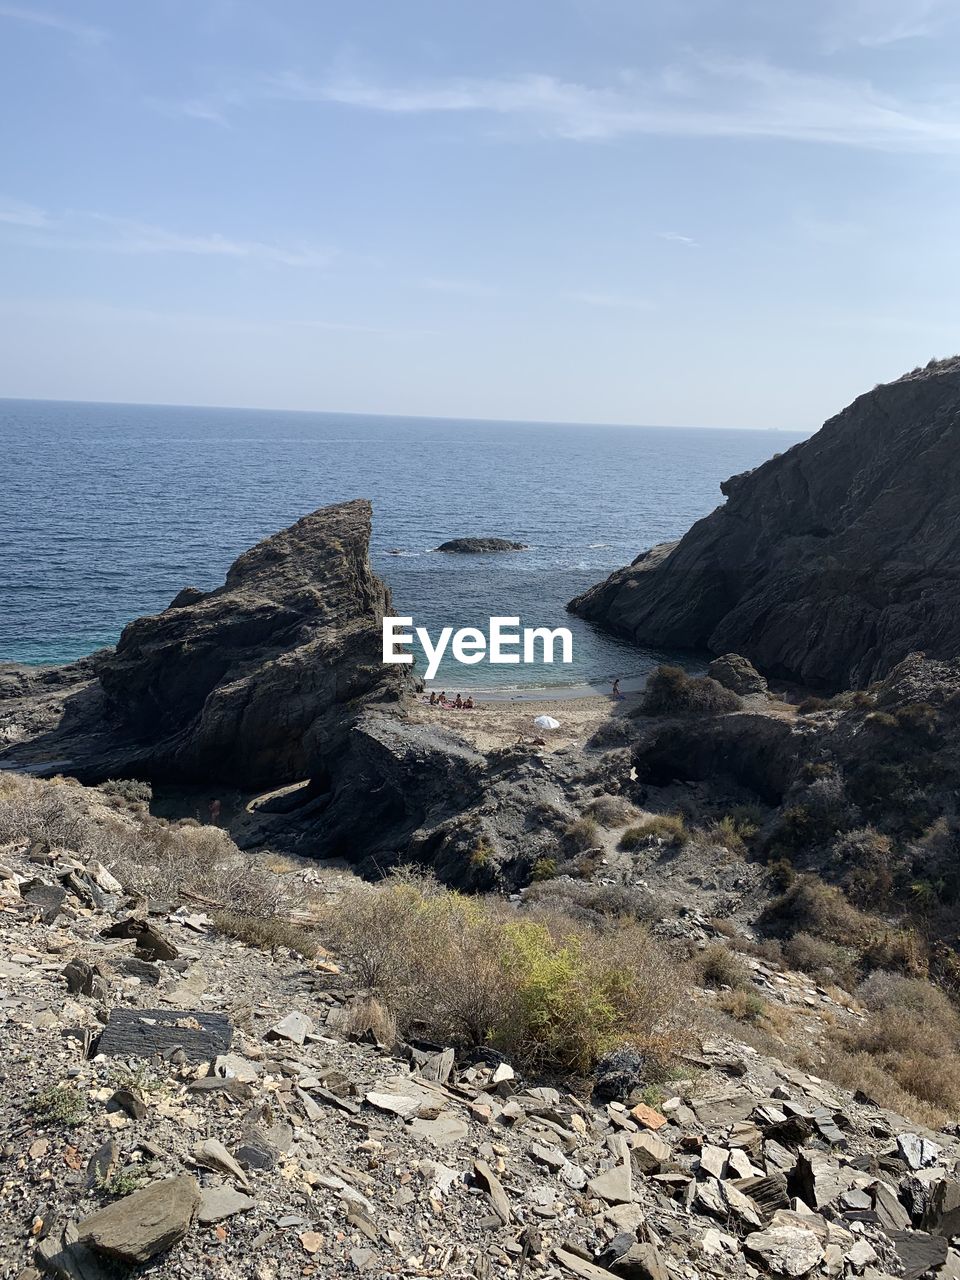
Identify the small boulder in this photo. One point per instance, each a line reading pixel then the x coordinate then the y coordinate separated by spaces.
pixel 737 673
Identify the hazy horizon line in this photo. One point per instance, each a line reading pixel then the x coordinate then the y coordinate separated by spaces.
pixel 415 417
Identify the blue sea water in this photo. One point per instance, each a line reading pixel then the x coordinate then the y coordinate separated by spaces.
pixel 107 510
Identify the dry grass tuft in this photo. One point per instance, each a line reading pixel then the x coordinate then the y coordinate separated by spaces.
pixel 717 966
pixel 267 932
pixel 611 811
pixel 670 827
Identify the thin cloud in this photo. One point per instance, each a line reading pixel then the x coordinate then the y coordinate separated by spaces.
pixel 16 213
pixel 704 98
pixel 873 24
pixel 139 237
pixel 465 288
pixel 81 31
pixel 104 233
pixel 676 238
pixel 612 301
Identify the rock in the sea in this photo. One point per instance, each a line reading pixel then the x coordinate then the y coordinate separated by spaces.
pixel 476 546
pixel 145 1223
pixel 737 673
pixel 829 563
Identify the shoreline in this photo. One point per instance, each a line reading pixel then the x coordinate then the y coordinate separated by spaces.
pixel 538 693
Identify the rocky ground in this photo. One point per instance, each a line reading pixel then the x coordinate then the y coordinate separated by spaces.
pixel 180 1104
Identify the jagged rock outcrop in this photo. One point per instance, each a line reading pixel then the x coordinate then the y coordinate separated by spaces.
pixel 829 563
pixel 255 683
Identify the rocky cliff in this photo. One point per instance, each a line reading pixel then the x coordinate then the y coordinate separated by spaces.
pixel 829 563
pixel 255 683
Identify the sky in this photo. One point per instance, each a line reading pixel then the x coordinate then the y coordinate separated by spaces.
pixel 728 213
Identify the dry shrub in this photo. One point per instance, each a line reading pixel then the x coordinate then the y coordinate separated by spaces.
pixel 581 835
pixel 36 809
pixel 367 1016
pixel 826 961
pixel 718 966
pixel 901 950
pixel 913 1035
pixel 611 811
pixel 595 904
pixel 883 991
pixel 148 855
pixel 745 1006
pixel 811 906
pixel 860 1071
pixel 549 990
pixel 669 691
pixel 669 827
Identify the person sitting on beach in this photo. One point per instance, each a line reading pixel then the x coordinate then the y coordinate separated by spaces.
pixel 468 704
pixel 434 699
pixel 458 702
pixel 442 699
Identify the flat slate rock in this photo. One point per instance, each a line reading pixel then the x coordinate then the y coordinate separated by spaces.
pixel 918 1252
pixel 217 1203
pixel 141 1033
pixel 141 1225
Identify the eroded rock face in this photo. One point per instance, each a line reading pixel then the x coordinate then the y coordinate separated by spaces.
pixel 829 563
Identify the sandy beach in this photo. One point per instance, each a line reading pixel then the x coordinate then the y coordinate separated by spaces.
pixel 500 716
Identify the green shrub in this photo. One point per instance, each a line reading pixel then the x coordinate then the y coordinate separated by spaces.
pixel 669 691
pixel 60 1104
pixel 544 869
pixel 669 827
pixel 734 833
pixel 782 873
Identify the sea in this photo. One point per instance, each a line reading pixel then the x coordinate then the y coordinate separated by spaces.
pixel 108 510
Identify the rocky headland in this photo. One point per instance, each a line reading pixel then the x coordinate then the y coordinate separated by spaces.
pixel 695 1015
pixel 255 683
pixel 828 564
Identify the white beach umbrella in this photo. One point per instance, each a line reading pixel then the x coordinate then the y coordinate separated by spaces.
pixel 546 722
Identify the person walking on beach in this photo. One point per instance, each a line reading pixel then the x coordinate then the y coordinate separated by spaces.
pixel 617 695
